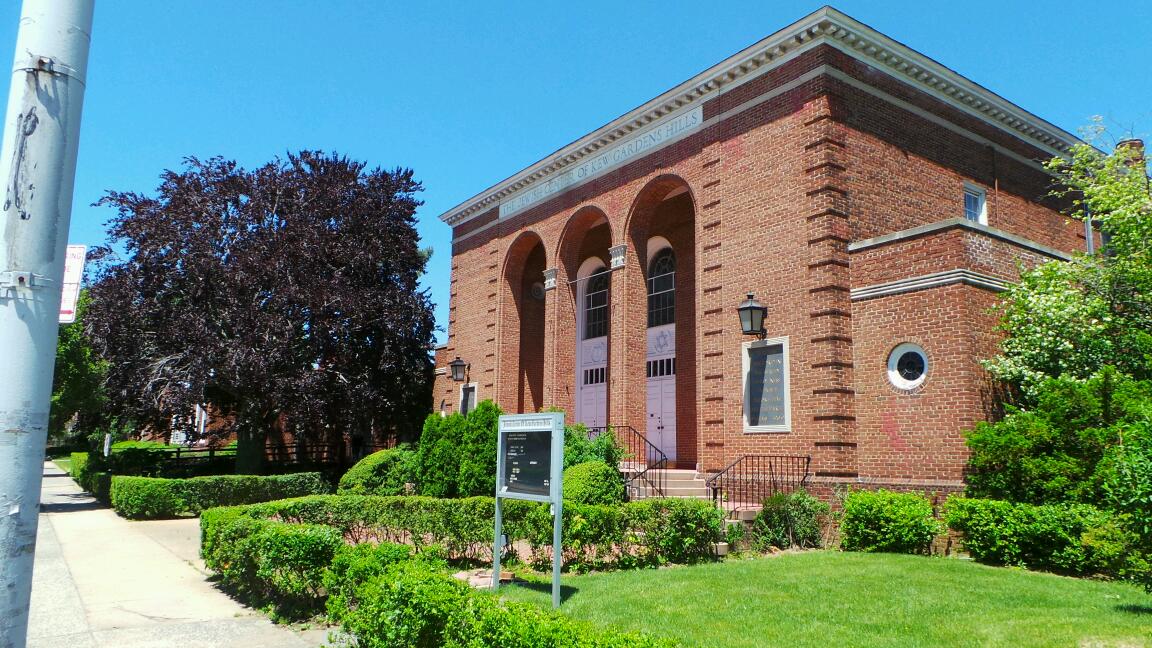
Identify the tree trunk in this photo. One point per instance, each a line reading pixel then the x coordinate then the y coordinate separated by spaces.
pixel 250 442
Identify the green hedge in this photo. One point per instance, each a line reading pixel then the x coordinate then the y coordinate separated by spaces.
pixel 789 520
pixel 271 563
pixel 414 606
pixel 381 473
pixel 1076 539
pixel 593 482
pixel 145 498
pixel 91 476
pixel 648 532
pixel 881 520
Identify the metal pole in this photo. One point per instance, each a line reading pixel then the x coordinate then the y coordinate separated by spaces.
pixel 557 549
pixel 38 169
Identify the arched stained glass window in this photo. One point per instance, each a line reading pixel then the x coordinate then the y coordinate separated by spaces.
pixel 596 305
pixel 662 289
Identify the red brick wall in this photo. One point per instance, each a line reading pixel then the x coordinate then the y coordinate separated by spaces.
pixel 775 195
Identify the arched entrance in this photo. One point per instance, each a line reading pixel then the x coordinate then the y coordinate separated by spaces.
pixel 583 351
pixel 522 373
pixel 661 231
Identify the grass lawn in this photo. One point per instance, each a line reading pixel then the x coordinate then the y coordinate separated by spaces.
pixel 831 598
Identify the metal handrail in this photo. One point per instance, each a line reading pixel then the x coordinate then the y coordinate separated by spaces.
pixel 640 477
pixel 751 479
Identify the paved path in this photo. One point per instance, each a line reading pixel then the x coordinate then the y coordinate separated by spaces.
pixel 102 581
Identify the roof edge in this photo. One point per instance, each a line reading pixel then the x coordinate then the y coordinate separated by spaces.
pixel 825 25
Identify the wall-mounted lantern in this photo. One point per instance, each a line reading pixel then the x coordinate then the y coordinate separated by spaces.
pixel 459 369
pixel 752 315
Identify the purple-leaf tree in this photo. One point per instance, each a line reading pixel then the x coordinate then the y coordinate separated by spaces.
pixel 284 297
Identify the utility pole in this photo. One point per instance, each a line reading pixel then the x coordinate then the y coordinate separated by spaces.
pixel 38 169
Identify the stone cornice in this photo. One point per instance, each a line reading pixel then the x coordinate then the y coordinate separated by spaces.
pixel 825 26
pixel 958 223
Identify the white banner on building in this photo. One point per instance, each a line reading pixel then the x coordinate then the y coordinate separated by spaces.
pixel 73 272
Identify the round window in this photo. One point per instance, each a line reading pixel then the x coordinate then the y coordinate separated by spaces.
pixel 907 366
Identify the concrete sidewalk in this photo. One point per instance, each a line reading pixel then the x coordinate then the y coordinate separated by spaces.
pixel 103 581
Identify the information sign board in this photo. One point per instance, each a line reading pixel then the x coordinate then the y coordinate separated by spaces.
pixel 530 466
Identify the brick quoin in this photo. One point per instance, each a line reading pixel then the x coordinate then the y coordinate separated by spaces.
pixel 826 175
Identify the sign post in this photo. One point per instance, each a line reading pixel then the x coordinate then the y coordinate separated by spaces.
pixel 530 466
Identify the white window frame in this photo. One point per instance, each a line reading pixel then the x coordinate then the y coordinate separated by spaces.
pixel 460 396
pixel 982 194
pixel 745 365
pixel 894 377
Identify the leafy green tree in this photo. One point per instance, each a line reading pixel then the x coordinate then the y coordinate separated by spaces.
pixel 1074 318
pixel 78 398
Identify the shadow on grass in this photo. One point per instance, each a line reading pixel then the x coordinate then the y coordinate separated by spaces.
pixel 566 591
pixel 1135 609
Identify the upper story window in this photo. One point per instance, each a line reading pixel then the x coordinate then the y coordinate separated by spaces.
pixel 662 289
pixel 975 204
pixel 596 305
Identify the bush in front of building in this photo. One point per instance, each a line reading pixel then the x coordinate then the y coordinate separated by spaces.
pixel 386 472
pixel 477 451
pixel 881 520
pixel 439 455
pixel 1074 539
pixel 593 482
pixel 147 498
pixel 789 520
pixel 91 475
pixel 271 564
pixel 646 533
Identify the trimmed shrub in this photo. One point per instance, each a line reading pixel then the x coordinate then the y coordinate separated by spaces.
pixel 354 565
pixel 145 498
pixel 593 482
pixel 477 451
pixel 271 563
pixel 789 520
pixel 578 448
pixel 681 531
pixel 885 521
pixel 439 455
pixel 87 469
pixel 78 462
pixel 414 606
pixel 650 532
pixel 1076 539
pixel 381 473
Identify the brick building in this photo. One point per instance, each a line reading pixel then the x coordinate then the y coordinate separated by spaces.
pixel 872 199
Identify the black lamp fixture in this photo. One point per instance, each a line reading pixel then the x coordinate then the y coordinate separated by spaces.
pixel 459 369
pixel 752 315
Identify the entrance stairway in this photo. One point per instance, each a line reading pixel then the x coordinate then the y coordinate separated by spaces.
pixel 676 482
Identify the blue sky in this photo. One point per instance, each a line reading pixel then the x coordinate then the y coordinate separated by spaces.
pixel 467 94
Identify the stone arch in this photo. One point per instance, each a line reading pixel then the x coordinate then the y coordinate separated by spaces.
pixel 522 325
pixel 663 215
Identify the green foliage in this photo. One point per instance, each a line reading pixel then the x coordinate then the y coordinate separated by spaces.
pixel 439 455
pixel 681 531
pixel 593 482
pixel 1074 318
pixel 78 378
pixel 1127 481
pixel 412 605
pixel 650 532
pixel 408 606
pixel 578 448
pixel 1053 452
pixel 789 520
pixel 381 473
pixel 1075 539
pixel 271 563
pixel 354 565
pixel 477 451
pixel 88 471
pixel 146 498
pixel 881 520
